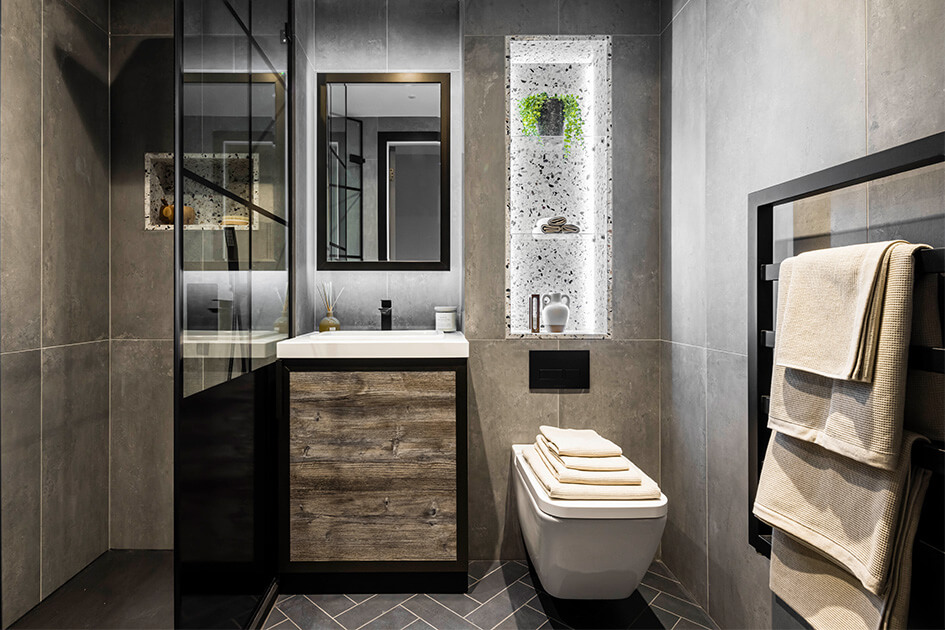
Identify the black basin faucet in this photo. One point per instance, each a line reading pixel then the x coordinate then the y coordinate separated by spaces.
pixel 385 310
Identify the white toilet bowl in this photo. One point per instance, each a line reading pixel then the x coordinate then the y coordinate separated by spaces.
pixel 586 549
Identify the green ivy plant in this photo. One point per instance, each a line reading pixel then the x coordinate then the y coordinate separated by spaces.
pixel 529 108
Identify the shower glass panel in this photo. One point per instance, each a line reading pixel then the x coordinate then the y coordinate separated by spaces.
pixel 345 174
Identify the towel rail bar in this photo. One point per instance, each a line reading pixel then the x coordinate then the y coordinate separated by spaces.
pixel 925 358
pixel 926 261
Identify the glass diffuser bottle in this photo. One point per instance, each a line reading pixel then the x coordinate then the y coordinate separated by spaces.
pixel 327 293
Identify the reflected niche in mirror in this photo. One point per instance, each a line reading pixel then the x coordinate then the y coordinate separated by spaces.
pixel 383 160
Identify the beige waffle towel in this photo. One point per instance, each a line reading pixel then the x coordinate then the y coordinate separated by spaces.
pixel 579 491
pixel 590 463
pixel 829 597
pixel 847 510
pixel 925 391
pixel 630 477
pixel 832 309
pixel 579 442
pixel 862 421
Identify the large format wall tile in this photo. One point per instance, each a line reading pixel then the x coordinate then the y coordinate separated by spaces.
pixel 20 404
pixel 142 98
pixel 738 575
pixel 74 460
pixel 423 34
pixel 906 70
pixel 21 174
pixel 142 445
pixel 511 17
pixel 623 401
pixel 683 212
pixel 683 463
pixel 636 177
pixel 350 35
pixel 485 187
pixel 502 411
pixel 610 17
pixel 75 178
pixel 141 17
pixel 94 10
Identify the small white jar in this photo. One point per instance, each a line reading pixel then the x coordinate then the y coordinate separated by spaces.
pixel 445 318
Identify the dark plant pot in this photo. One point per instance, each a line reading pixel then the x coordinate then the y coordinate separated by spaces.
pixel 551 120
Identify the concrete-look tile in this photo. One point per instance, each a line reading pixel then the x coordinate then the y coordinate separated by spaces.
pixel 416 293
pixel 350 35
pixel 74 459
pixel 683 608
pixel 498 581
pixel 20 170
pixel 610 17
pixel 393 619
pixel 20 375
pixel 142 445
pixel 332 604
pixel 94 10
pixel 909 206
pixel 304 614
pixel 905 52
pixel 368 610
pixel 511 17
pixel 623 403
pixel 668 10
pixel 683 464
pixel 357 308
pixel 502 605
pixel 636 214
pixel 502 411
pixel 738 576
pixel 424 35
pixel 141 17
pixel 683 275
pixel 436 615
pixel 75 178
pixel 485 187
pixel 142 98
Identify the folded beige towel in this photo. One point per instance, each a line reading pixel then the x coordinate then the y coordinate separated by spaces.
pixel 590 463
pixel 630 477
pixel 578 491
pixel 849 511
pixel 579 442
pixel 925 391
pixel 829 597
pixel 862 421
pixel 832 309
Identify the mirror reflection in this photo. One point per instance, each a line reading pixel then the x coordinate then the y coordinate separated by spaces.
pixel 385 197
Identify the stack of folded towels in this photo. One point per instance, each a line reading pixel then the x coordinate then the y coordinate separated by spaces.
pixel 580 464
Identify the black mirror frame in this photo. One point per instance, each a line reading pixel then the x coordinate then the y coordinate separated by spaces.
pixel 323 79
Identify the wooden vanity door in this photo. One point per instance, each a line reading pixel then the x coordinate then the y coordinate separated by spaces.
pixel 372 466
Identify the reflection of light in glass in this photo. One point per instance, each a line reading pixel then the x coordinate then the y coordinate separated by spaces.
pixel 590 217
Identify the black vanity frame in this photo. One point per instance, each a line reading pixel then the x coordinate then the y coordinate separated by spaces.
pixel 763 271
pixel 321 244
pixel 373 576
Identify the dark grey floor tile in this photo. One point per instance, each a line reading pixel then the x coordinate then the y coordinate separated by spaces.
pixel 334 605
pixel 525 618
pixel 396 618
pixel 307 615
pixel 436 615
pixel 419 624
pixel 502 605
pixel 655 619
pixel 647 593
pixel 276 617
pixel 527 579
pixel 459 603
pixel 618 613
pixel 357 598
pixel 281 597
pixel 478 569
pixel 683 608
pixel 285 624
pixel 471 579
pixel 666 585
pixel 661 569
pixel 369 609
pixel 686 624
pixel 486 588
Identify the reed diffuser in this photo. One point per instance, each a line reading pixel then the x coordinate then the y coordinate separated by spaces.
pixel 327 292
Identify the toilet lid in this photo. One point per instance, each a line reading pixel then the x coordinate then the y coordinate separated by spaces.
pixel 568 508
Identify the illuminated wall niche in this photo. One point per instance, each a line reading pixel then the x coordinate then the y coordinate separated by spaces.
pixel 543 183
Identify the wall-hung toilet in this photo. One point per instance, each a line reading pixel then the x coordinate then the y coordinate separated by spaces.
pixel 586 549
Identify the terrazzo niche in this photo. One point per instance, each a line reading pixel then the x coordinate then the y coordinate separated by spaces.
pixel 545 182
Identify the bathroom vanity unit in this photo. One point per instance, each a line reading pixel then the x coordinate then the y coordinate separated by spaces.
pixel 372 462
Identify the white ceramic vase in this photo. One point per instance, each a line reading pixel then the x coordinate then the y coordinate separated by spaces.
pixel 556 310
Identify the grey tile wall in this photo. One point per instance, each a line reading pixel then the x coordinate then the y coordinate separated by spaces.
pixel 423 34
pixel 511 17
pixel 142 445
pixel 609 17
pixel 773 111
pixel 135 17
pixel 74 459
pixel 20 431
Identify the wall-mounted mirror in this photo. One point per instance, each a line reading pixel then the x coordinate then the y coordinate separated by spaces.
pixel 383 171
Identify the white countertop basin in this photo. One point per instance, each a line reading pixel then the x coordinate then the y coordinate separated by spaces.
pixel 375 344
pixel 225 344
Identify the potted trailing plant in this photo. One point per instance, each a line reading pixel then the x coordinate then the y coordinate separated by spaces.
pixel 560 114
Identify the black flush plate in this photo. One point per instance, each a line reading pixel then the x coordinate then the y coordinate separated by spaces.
pixel 559 369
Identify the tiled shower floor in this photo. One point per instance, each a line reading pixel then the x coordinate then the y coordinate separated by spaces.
pixel 501 595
